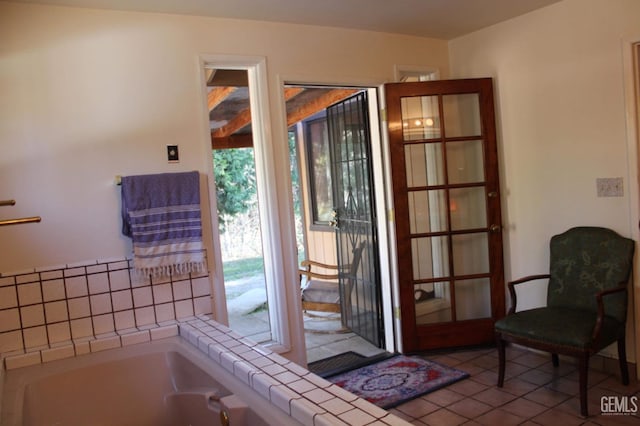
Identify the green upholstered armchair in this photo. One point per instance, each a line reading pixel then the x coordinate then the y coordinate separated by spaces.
pixel 586 302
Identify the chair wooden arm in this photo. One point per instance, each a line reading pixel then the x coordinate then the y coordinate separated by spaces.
pixel 512 291
pixel 599 299
pixel 308 264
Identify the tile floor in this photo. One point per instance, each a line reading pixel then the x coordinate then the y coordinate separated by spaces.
pixel 534 393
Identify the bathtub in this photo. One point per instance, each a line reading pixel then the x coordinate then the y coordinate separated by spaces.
pixel 164 382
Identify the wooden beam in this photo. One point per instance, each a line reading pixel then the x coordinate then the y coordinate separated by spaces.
pixel 290 92
pixel 217 95
pixel 318 104
pixel 244 117
pixel 242 140
pixel 236 123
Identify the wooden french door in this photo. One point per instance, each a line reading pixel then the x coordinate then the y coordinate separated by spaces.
pixel 447 211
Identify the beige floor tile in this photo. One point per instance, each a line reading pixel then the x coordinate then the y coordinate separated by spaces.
pixel 500 417
pixel 444 417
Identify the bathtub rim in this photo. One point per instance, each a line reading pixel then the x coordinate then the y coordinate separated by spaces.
pixel 15 381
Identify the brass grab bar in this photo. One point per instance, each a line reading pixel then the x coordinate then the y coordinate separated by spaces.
pixel 7 202
pixel 19 221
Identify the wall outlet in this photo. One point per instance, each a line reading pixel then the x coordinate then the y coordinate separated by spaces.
pixel 610 187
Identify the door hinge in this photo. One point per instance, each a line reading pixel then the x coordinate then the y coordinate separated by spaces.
pixel 383 114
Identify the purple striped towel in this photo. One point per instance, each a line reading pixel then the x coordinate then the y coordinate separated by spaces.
pixel 161 214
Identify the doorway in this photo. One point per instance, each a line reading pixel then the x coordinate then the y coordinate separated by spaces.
pixel 333 143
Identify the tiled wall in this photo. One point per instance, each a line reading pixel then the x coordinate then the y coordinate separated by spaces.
pixel 49 306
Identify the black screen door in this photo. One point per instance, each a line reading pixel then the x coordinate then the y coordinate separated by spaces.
pixel 356 237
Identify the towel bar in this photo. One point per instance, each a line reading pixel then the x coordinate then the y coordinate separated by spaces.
pixel 20 220
pixel 7 202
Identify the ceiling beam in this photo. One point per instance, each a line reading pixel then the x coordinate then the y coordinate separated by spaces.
pixel 217 95
pixel 242 140
pixel 290 92
pixel 318 104
pixel 236 123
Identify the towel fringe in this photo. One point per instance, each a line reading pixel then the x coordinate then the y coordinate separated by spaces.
pixel 168 270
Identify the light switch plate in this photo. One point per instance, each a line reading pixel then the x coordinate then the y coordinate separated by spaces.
pixel 610 187
pixel 172 154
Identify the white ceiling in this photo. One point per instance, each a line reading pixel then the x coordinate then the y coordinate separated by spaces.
pixel 443 19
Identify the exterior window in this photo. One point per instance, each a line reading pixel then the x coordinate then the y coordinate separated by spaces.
pixel 321 198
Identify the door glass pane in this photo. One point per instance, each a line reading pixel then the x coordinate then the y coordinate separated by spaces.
pixel 427 211
pixel 430 257
pixel 468 208
pixel 470 254
pixel 473 299
pixel 461 115
pixel 424 164
pixel 465 161
pixel 420 117
pixel 432 303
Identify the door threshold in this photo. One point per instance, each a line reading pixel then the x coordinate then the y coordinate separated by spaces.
pixel 347 361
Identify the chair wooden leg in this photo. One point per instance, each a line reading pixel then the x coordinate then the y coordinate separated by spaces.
pixel 583 366
pixel 622 356
pixel 501 360
pixel 555 360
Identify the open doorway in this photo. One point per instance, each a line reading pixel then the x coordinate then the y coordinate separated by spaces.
pixel 341 286
pixel 237 202
pixel 241 237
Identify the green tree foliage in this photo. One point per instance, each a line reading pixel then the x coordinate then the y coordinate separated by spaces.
pixel 235 175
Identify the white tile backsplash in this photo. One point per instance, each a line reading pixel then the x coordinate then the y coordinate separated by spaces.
pixel 182 290
pixel 142 296
pixel 8 297
pixel 124 320
pixel 184 308
pixel 35 337
pixel 5 281
pixel 145 316
pixel 100 304
pixel 76 286
pixel 165 312
pixel 162 293
pixel 56 311
pixel 48 305
pixel 78 307
pixel 28 294
pixel 103 324
pixel 60 332
pixel 32 316
pixel 9 319
pixel 122 300
pixel 98 283
pixel 53 290
pixel 119 279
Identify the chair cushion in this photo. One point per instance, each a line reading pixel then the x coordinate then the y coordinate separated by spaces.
pixel 560 326
pixel 321 291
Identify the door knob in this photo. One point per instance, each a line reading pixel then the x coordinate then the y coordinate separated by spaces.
pixel 495 228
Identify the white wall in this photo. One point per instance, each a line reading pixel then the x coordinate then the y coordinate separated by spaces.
pixel 560 102
pixel 89 94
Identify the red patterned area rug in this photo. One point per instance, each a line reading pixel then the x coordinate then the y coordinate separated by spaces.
pixel 396 380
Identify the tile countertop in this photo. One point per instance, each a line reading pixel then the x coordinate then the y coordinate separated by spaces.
pixel 306 397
